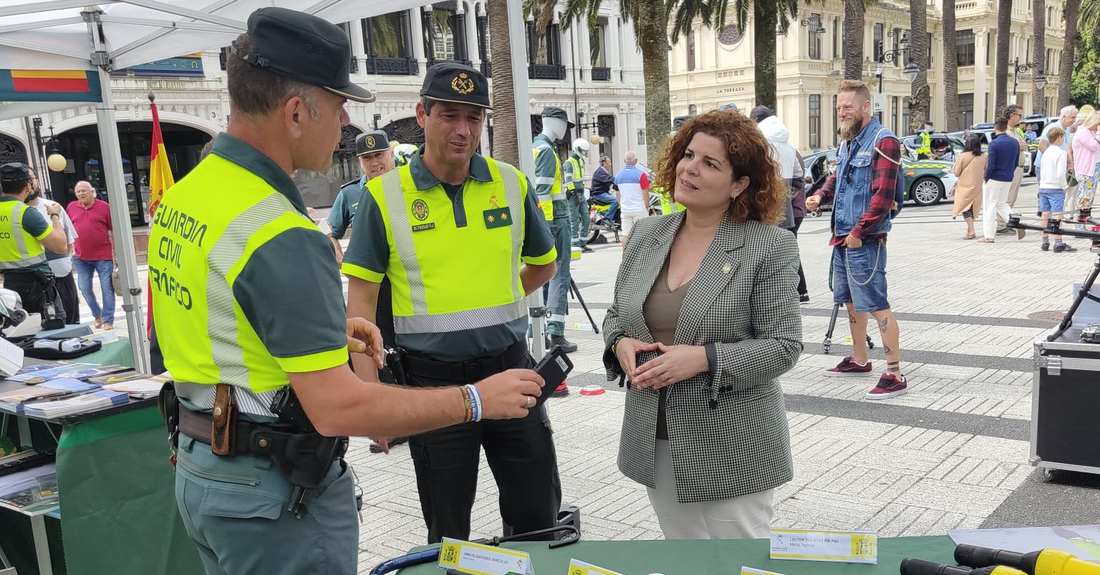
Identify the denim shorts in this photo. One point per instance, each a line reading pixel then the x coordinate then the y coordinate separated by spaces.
pixel 1052 201
pixel 865 286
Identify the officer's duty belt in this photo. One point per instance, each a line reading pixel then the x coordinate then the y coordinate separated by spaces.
pixel 465 371
pixel 248 438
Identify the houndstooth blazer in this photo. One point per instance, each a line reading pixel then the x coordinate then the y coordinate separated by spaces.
pixel 727 428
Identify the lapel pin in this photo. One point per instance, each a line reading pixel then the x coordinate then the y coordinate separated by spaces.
pixel 726 268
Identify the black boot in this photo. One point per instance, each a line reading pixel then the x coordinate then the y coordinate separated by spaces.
pixel 377 448
pixel 560 341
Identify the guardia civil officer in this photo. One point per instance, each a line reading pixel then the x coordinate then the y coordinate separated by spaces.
pixel 252 291
pixel 556 208
pixel 24 238
pixel 453 231
pixel 375 159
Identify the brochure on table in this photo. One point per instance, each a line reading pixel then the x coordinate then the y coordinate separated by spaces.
pixel 30 491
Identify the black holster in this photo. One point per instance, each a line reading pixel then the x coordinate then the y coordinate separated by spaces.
pixel 303 458
pixel 169 406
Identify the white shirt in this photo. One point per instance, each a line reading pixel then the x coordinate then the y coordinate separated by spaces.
pixel 1052 173
pixel 61 267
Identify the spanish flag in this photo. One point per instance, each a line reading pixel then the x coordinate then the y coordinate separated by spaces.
pixel 160 179
pixel 160 172
pixel 49 86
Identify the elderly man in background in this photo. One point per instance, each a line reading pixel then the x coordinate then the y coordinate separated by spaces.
pixel 633 187
pixel 1066 120
pixel 94 251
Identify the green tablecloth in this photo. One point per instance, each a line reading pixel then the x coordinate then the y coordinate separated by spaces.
pixel 712 557
pixel 117 487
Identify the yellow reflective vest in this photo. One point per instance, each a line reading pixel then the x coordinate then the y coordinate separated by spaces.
pixel 433 290
pixel 18 248
pixel 202 236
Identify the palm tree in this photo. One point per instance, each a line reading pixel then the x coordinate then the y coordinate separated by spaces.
pixel 1039 55
pixel 651 20
pixel 1065 71
pixel 505 145
pixel 920 97
pixel 767 16
pixel 853 39
pixel 950 67
pixel 1004 24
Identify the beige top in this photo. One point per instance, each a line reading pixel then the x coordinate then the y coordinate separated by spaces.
pixel 662 311
pixel 968 190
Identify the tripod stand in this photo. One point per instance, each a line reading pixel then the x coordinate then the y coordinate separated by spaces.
pixel 576 291
pixel 825 345
pixel 1054 227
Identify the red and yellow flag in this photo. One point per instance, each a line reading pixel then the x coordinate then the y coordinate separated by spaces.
pixel 160 179
pixel 160 171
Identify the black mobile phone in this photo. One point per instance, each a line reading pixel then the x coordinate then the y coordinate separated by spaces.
pixel 553 367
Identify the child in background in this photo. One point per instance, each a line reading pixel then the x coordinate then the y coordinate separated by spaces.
pixel 1052 187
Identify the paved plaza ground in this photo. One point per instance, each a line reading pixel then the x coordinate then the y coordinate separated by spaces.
pixel 952 453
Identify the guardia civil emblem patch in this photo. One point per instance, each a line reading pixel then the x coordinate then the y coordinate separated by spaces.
pixel 370 141
pixel 462 84
pixel 420 210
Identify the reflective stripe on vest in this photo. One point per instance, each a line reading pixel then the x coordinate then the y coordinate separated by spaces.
pixel 414 308
pixel 21 256
pixel 556 192
pixel 192 280
pixel 577 174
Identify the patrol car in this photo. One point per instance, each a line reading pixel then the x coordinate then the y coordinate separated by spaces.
pixel 927 182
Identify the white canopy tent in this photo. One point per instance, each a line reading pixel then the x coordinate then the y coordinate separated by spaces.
pixel 115 34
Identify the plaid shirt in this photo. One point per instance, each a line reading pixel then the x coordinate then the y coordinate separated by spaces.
pixel 884 177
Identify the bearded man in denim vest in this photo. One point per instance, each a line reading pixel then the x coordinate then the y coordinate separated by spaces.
pixel 862 191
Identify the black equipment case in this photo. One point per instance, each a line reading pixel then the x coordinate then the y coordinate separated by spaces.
pixel 1065 400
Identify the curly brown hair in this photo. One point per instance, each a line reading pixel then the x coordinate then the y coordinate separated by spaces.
pixel 749 154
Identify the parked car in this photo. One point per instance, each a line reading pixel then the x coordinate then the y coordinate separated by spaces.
pixel 986 132
pixel 926 181
pixel 942 143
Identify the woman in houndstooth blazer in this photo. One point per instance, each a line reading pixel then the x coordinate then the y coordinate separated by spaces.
pixel 705 319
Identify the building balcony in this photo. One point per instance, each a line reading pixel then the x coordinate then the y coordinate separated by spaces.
pixel 487 69
pixel 432 62
pixel 546 72
pixel 601 74
pixel 391 66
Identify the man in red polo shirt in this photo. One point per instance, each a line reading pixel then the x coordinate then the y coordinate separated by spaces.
pixel 94 251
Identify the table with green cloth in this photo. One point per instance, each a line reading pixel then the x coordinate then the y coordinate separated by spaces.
pixel 711 557
pixel 118 507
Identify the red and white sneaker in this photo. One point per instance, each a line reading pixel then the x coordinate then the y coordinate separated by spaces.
pixel 849 368
pixel 889 385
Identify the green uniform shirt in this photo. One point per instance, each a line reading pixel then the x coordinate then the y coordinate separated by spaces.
pixel 288 289
pixel 369 249
pixel 344 206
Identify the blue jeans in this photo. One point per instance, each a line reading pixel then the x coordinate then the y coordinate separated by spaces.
pixel 865 286
pixel 609 199
pixel 84 270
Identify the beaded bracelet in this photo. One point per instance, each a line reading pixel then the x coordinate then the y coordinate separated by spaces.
pixel 475 402
pixel 615 344
pixel 467 404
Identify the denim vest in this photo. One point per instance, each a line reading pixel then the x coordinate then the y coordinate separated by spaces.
pixel 853 179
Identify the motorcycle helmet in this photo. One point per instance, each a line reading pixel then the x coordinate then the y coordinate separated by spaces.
pixel 581 147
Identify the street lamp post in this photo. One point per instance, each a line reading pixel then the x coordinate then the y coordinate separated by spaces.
pixel 890 56
pixel 813 23
pixel 1017 67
